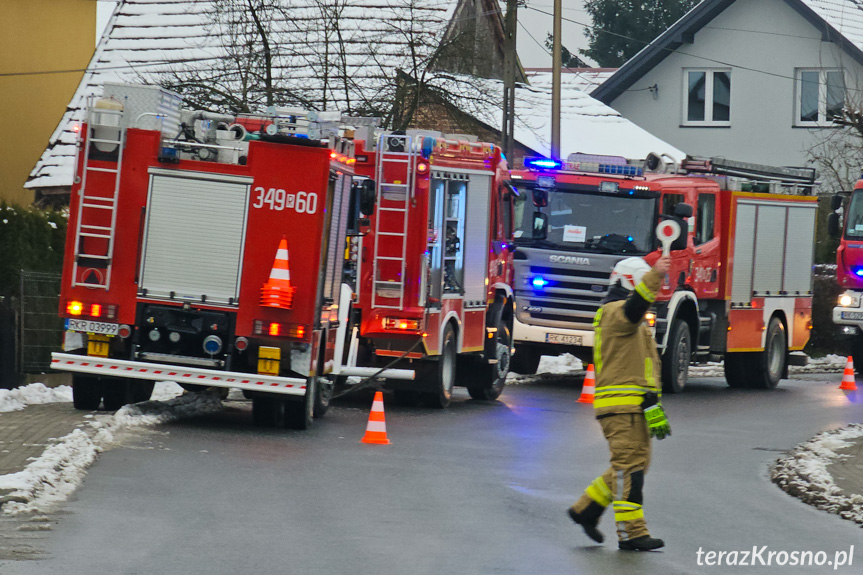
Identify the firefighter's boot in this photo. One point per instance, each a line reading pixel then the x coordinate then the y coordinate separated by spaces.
pixel 643 543
pixel 589 519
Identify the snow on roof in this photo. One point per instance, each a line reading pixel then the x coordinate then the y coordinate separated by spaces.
pixel 146 38
pixel 586 124
pixel 585 79
pixel 844 15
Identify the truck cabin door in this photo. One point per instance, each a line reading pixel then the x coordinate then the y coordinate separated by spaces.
pixel 705 273
pixel 681 262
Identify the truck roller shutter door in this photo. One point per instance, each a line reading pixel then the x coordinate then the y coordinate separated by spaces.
pixel 194 236
pixel 769 245
pixel 799 248
pixel 744 254
pixel 476 239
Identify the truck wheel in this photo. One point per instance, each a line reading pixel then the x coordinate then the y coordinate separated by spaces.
pixel 86 392
pixel 857 353
pixel 268 411
pixel 676 359
pixel 322 397
pixel 443 372
pixel 299 414
pixel 116 393
pixel 525 360
pixel 492 377
pixel 737 369
pixel 406 397
pixel 771 362
pixel 142 390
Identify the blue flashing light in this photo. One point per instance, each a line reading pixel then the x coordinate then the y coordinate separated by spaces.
pixel 539 282
pixel 427 147
pixel 543 163
pixel 630 238
pixel 858 272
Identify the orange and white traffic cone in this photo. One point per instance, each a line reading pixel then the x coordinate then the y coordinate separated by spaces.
pixel 588 388
pixel 376 430
pixel 278 291
pixel 848 382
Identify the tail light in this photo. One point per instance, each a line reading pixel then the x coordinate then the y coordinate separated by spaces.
pixel 74 308
pixel 401 324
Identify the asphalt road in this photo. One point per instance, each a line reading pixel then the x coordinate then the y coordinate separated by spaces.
pixel 479 488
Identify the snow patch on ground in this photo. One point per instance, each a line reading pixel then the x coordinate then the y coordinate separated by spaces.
pixel 52 477
pixel 827 364
pixel 37 393
pixel 564 364
pixel 804 473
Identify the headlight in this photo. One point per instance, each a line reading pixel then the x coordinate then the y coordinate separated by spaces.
pixel 849 299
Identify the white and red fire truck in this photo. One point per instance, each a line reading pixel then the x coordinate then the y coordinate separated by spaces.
pixel 434 267
pixel 184 231
pixel 740 283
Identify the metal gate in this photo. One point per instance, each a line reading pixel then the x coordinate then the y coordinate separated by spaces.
pixel 40 329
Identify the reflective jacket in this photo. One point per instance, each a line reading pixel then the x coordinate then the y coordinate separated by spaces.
pixel 624 351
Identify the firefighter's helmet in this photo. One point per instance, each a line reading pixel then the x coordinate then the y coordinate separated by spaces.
pixel 629 272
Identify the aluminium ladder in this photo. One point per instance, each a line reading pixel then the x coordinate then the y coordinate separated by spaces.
pixel 94 241
pixel 394 177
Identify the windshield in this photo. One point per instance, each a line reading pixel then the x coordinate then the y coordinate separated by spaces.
pixel 854 229
pixel 590 222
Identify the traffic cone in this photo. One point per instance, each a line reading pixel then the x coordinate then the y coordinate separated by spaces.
pixel 278 291
pixel 588 388
pixel 376 430
pixel 848 382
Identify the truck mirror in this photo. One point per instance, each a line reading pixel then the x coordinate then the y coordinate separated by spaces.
pixel 682 210
pixel 540 197
pixel 540 226
pixel 368 197
pixel 833 223
pixel 835 202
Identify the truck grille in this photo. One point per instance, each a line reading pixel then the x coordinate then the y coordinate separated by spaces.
pixel 571 295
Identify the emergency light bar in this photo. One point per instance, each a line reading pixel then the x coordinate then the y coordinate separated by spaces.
pixel 542 163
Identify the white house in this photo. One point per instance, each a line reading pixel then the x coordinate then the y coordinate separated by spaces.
pixel 751 80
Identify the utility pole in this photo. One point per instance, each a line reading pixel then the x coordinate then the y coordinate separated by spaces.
pixel 555 82
pixel 510 62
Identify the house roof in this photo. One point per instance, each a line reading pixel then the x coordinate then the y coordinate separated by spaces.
pixel 586 79
pixel 839 21
pixel 144 38
pixel 586 124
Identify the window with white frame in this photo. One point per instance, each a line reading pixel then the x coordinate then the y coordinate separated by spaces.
pixel 820 96
pixel 707 97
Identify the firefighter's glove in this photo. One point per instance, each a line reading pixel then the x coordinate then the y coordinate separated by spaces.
pixel 657 422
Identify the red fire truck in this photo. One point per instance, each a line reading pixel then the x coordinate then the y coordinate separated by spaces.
pixel 434 267
pixel 180 251
pixel 740 283
pixel 847 313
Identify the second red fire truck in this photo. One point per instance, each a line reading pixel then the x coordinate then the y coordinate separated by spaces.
pixel 434 267
pixel 740 283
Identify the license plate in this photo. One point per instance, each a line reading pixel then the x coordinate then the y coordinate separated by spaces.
pixel 92 326
pixel 563 338
pixel 852 315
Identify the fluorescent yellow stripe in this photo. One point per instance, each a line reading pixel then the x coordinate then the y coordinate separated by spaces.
pixel 629 515
pixel 597 342
pixel 625 506
pixel 645 292
pixel 599 492
pixel 622 388
pixel 616 401
pixel 648 372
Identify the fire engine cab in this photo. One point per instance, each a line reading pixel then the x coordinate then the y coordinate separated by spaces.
pixel 204 249
pixel 740 283
pixel 434 266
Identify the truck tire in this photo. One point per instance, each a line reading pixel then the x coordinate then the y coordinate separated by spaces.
pixel 770 363
pixel 737 369
pixel 299 414
pixel 442 373
pixel 676 359
pixel 86 392
pixel 142 390
pixel 492 376
pixel 268 411
pixel 857 353
pixel 116 393
pixel 525 360
pixel 324 393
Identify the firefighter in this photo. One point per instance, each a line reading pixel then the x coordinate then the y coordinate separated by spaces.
pixel 627 403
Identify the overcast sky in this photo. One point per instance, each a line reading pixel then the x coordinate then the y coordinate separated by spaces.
pixel 533 27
